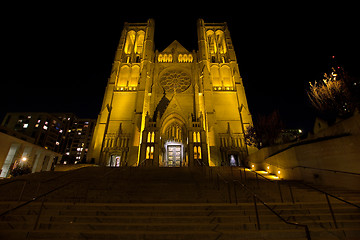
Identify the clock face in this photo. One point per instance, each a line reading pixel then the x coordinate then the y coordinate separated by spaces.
pixel 175 81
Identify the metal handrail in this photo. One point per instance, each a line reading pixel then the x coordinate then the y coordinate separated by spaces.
pixel 226 182
pixel 319 190
pixel 25 181
pixel 45 194
pixel 307 232
pixel 326 195
pixel 218 177
pixel 331 195
pixel 272 181
pixel 255 197
pixel 328 170
pixel 12 181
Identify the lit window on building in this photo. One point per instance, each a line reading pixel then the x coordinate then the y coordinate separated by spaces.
pixel 148 153
pixel 197 152
pixel 25 125
pixel 45 127
pixel 151 137
pixel 165 58
pixel 196 137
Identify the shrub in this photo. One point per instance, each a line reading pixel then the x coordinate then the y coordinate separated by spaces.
pixel 20 170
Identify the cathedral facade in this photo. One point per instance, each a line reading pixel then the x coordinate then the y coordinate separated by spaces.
pixel 173 107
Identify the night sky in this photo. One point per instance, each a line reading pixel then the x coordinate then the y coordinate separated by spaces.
pixel 58 57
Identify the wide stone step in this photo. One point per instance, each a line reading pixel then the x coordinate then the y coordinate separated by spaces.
pixel 177 219
pixel 154 235
pixel 181 210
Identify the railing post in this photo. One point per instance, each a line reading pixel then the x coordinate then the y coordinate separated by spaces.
pixel 244 175
pixel 241 178
pixel 22 191
pixel 229 191
pixel 281 197
pixel 235 194
pixel 291 194
pixel 307 232
pixel 331 210
pixel 39 213
pixel 257 214
pixel 37 189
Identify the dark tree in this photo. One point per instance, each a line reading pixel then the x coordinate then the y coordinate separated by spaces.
pixel 265 131
pixel 20 170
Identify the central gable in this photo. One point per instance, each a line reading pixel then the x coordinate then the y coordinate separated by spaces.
pixel 175 53
pixel 175 47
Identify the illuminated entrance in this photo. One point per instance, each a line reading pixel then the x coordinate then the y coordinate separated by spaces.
pixel 174 156
pixel 233 160
pixel 114 161
pixel 172 140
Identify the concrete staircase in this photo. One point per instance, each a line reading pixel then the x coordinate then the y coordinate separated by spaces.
pixel 167 203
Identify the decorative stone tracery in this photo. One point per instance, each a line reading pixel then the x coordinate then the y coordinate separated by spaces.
pixel 175 81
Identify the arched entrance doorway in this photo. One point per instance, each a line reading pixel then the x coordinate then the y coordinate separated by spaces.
pixel 173 140
pixel 174 154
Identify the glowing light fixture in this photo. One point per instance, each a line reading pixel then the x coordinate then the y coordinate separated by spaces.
pixel 24 159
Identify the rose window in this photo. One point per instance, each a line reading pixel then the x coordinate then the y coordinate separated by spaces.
pixel 175 81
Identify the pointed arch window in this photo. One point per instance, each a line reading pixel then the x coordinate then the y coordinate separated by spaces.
pixel 197 152
pixel 129 44
pixel 151 137
pixel 220 40
pixel 150 152
pixel 216 46
pixel 139 42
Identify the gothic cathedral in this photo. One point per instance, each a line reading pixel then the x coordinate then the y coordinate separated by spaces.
pixel 173 108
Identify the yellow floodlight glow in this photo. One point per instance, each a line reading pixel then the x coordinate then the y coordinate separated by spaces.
pixel 272 177
pixel 24 159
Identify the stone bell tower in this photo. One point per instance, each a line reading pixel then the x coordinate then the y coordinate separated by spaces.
pixel 225 106
pixel 117 134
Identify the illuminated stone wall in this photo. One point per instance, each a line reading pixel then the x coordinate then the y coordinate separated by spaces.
pixel 157 102
pixel 330 157
pixel 15 152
